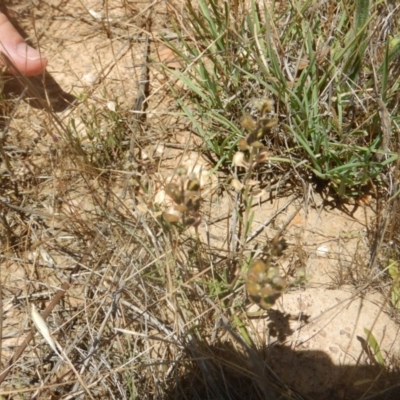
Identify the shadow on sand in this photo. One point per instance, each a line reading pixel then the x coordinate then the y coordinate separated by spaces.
pixel 237 372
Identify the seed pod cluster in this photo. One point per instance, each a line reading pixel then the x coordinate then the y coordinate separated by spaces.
pixel 264 284
pixel 186 198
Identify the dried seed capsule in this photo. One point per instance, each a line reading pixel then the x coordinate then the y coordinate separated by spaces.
pixel 175 192
pixel 263 284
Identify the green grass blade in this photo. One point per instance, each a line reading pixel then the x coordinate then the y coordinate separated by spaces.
pixel 373 344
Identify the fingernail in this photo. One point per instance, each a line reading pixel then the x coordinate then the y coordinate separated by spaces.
pixel 29 52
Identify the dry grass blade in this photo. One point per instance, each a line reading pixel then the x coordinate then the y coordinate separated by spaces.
pixel 385 127
pixel 42 328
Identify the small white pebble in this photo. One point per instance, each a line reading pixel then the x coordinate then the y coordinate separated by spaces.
pixel 95 14
pixel 322 251
pixel 111 105
pixel 160 148
pixel 89 78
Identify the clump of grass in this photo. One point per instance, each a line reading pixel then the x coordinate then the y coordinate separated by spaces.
pixel 325 88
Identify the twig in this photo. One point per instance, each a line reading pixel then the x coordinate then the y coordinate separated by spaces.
pixel 140 104
pixel 24 209
pixel 263 225
pixel 142 93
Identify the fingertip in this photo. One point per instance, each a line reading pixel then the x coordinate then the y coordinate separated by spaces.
pixel 24 59
pixel 25 66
